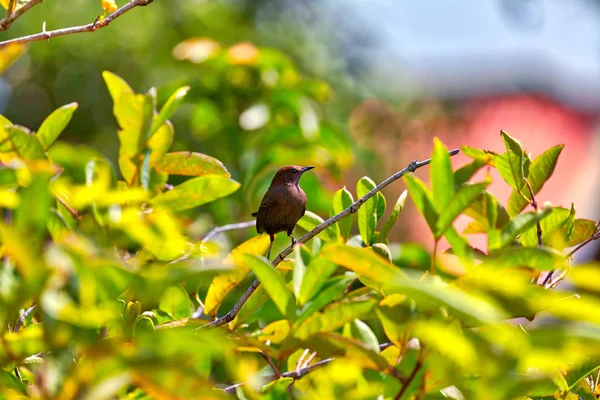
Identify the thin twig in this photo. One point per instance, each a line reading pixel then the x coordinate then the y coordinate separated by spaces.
pixel 11 17
pixel 270 362
pixel 23 317
pixel 534 204
pixel 556 280
pixel 409 380
pixel 92 27
pixel 412 167
pixel 299 373
pixel 225 228
pixel 296 374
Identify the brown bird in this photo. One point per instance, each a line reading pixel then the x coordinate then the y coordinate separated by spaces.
pixel 283 205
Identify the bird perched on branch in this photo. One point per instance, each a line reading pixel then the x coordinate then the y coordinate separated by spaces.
pixel 283 205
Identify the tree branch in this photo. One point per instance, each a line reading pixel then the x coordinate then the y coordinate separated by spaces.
pixel 412 167
pixel 46 35
pixel 11 17
pixel 298 373
pixel 225 228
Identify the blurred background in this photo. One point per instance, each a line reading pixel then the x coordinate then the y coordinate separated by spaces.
pixel 354 87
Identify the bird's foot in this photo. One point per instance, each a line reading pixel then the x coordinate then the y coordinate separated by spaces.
pixel 295 242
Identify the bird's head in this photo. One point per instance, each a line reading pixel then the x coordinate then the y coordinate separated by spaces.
pixel 290 175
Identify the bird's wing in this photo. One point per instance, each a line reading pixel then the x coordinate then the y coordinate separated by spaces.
pixel 266 205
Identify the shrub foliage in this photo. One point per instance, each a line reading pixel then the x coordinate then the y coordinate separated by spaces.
pixel 104 293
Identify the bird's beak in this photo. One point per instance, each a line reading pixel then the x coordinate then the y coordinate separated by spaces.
pixel 307 168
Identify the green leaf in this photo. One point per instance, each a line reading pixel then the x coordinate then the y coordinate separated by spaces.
pixel 367 214
pixel 541 170
pixel 364 262
pixel 343 199
pixel 160 143
pixel 195 192
pixel 333 292
pixel 583 229
pixel 394 312
pixel 381 205
pixel 17 142
pixel 520 224
pixel 555 229
pixel 422 198
pixel 466 172
pixel 310 221
pixel 55 123
pixel 176 302
pixel 577 373
pixel 34 210
pixel 299 270
pixel 317 272
pixel 442 177
pixel 486 156
pixel 143 326
pixel 538 258
pixel 433 293
pixel 488 211
pixel 333 317
pixel 190 164
pixel 274 285
pixel 360 331
pixel 169 108
pixel 116 85
pixel 393 217
pixel 448 341
pixel 514 164
pixel 460 201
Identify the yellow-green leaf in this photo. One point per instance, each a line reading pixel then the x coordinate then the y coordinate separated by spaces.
pixel 224 283
pixel 333 317
pixel 514 164
pixel 169 108
pixel 190 164
pixel 54 124
pixel 367 214
pixel 393 217
pixel 343 199
pixel 442 177
pixel 422 198
pixel 465 195
pixel 274 285
pixel 195 192
pixel 540 171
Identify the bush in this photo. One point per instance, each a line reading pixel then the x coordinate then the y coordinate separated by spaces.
pixel 104 294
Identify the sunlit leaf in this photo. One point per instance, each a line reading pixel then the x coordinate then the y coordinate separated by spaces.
pixel 275 332
pixel 54 124
pixel 343 199
pixel 485 156
pixel 224 283
pixel 394 312
pixel 555 229
pixel 442 177
pixel 310 221
pixel 332 292
pixel 273 283
pixel 176 302
pixel 540 171
pixel 487 211
pixel 520 224
pixel 459 202
pixel 422 198
pixel 169 108
pixel 393 217
pixel 447 341
pixel 364 262
pixel 466 172
pixel 359 330
pixel 195 192
pixel 17 142
pixel 11 52
pixel 333 317
pixel 583 229
pixel 299 270
pixel 367 214
pixel 538 258
pixel 514 164
pixel 191 164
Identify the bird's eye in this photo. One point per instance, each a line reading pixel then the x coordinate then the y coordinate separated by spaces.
pixel 294 170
